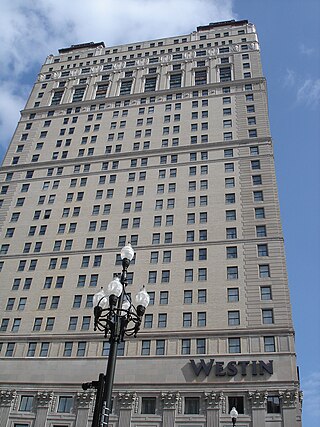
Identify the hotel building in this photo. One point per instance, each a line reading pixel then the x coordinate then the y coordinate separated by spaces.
pixel 165 144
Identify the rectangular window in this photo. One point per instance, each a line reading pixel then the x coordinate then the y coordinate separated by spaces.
pixel 269 344
pixel 273 405
pixel 267 316
pixel 234 345
pixel 65 404
pixel 233 318
pixel 233 294
pixel 26 403
pixel 145 349
pixel 185 346
pixel 148 405
pixel 191 405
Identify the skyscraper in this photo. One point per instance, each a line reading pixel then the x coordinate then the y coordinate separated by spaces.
pixel 165 144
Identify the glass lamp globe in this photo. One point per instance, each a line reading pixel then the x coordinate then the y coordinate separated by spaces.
pixel 115 287
pixel 127 252
pixel 234 413
pixel 100 299
pixel 142 298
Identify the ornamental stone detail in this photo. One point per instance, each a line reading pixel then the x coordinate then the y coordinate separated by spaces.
pixel 213 400
pixel 171 400
pixel 258 398
pixel 289 398
pixel 127 400
pixel 44 398
pixel 6 397
pixel 84 399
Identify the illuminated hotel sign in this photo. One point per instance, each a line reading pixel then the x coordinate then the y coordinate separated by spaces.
pixel 231 369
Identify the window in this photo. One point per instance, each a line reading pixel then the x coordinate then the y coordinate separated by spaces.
pixel 233 294
pixel 230 198
pixel 237 402
pixel 44 349
pixel 145 349
pixel 26 403
pixel 233 318
pixel 67 352
pixel 256 180
pixel 85 323
pixel 232 273
pixel 234 345
pixel 148 405
pixel 10 349
pixel 262 250
pixel 31 349
pixel 264 271
pixel 269 344
pixel 162 320
pixel 265 292
pixel 65 404
pixel 185 346
pixel 255 164
pixel 273 405
pixel 187 320
pixel 22 303
pixel 165 276
pixel 81 348
pixel 201 318
pixel 202 274
pixel 201 345
pixel 261 231
pixel 231 233
pixel 191 405
pixel 230 215
pixel 267 316
pixel 259 213
pixel 258 196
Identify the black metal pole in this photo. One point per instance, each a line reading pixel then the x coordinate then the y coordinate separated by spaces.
pixel 98 404
pixel 112 359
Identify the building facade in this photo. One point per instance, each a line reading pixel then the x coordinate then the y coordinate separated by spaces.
pixel 165 144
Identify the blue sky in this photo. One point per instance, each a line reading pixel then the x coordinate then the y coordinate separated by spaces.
pixel 289 33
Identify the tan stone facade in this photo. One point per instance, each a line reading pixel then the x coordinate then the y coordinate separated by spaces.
pixel 165 144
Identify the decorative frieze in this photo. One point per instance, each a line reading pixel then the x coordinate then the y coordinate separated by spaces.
pixel 214 399
pixel 258 398
pixel 84 399
pixel 171 400
pixel 44 398
pixel 289 397
pixel 127 400
pixel 6 397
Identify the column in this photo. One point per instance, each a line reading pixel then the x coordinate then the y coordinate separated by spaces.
pixel 170 402
pixel 6 399
pixel 83 403
pixel 258 401
pixel 127 401
pixel 43 401
pixel 289 401
pixel 213 403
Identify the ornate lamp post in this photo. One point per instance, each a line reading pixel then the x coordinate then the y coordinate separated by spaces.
pixel 116 317
pixel 234 414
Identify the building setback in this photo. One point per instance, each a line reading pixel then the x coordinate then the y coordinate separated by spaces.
pixel 164 144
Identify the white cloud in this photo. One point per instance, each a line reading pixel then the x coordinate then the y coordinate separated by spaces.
pixel 306 90
pixel 289 78
pixel 31 30
pixel 306 50
pixel 309 92
pixel 311 393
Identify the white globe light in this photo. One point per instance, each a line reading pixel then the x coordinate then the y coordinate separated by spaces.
pixel 233 413
pixel 100 299
pixel 127 252
pixel 142 298
pixel 115 287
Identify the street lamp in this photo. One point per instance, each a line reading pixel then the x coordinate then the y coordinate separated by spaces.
pixel 234 415
pixel 116 317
